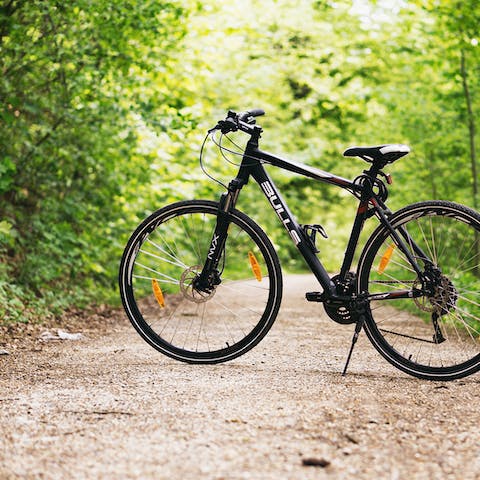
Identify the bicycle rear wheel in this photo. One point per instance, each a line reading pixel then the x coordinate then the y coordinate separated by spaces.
pixel 157 272
pixel 435 335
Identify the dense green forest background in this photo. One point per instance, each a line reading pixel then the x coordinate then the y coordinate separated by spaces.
pixel 104 105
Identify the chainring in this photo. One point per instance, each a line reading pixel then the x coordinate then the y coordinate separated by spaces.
pixel 337 310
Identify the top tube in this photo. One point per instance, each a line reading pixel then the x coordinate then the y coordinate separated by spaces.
pixel 306 170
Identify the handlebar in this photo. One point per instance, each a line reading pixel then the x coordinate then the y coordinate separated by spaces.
pixel 242 121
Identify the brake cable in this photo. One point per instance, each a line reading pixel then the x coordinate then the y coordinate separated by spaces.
pixel 202 164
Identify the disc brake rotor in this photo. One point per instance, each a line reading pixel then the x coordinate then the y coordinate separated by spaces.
pixel 442 301
pixel 186 286
pixel 422 302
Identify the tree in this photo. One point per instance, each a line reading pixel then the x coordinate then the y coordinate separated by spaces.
pixel 73 77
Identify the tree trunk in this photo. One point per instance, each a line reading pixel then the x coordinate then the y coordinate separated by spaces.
pixel 471 128
pixel 473 153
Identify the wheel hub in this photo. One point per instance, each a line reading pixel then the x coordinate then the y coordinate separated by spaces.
pixel 441 297
pixel 187 282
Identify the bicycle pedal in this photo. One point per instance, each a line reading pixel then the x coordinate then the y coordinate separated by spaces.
pixel 315 296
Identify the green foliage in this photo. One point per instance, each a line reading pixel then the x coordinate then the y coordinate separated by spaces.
pixel 104 105
pixel 72 170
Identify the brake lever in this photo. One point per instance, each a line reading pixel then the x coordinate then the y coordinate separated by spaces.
pixel 233 120
pixel 225 126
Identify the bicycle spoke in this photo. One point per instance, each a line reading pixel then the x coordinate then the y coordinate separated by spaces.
pixel 404 266
pixel 145 252
pixel 202 319
pixel 468 328
pixel 468 300
pixel 168 247
pixel 457 272
pixel 427 243
pixel 235 314
pixel 434 249
pixel 176 260
pixel 157 274
pixel 187 236
pixel 231 284
pixel 173 282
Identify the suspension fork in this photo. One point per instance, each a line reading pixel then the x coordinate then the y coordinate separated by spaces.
pixel 210 275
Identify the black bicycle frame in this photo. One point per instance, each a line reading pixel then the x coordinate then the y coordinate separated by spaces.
pixel 252 166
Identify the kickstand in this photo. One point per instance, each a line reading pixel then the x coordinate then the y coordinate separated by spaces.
pixel 358 328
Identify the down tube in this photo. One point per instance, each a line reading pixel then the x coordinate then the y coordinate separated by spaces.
pixel 292 227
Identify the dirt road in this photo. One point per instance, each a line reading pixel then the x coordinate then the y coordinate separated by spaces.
pixel 108 406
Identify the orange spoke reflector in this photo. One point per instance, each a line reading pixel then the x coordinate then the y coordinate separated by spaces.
pixel 157 291
pixel 386 258
pixel 255 266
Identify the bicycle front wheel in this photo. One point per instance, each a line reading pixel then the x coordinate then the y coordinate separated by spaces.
pixel 163 258
pixel 435 334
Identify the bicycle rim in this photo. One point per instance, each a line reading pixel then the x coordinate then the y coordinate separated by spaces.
pixel 434 336
pixel 160 263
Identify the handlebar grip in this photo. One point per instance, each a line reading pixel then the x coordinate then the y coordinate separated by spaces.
pixel 255 112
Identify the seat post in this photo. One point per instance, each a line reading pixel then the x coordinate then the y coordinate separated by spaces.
pixel 373 171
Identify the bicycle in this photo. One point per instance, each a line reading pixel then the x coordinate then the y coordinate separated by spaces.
pixel 202 283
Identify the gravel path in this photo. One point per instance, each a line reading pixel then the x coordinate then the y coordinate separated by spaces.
pixel 110 407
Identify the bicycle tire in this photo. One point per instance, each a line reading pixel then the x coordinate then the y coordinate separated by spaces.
pixel 162 257
pixel 436 336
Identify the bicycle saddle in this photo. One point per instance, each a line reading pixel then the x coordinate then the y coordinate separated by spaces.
pixel 381 153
